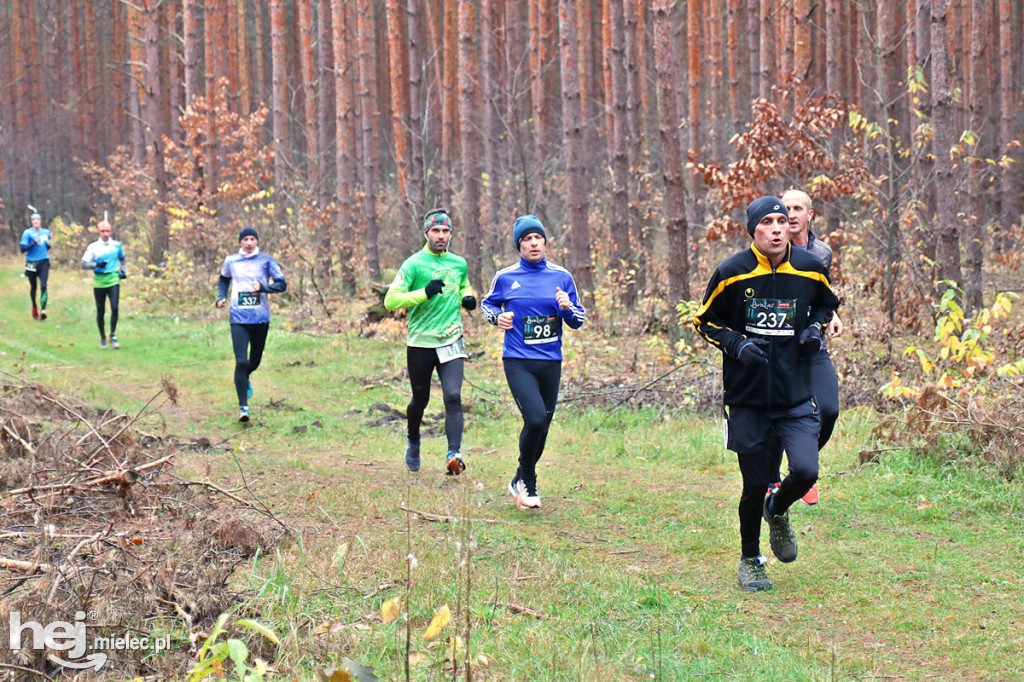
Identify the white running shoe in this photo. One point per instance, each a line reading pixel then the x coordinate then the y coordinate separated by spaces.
pixel 526 498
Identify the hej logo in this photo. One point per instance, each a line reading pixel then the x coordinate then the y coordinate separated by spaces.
pixel 60 636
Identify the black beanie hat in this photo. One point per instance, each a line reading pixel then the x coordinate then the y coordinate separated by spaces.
pixel 248 232
pixel 761 207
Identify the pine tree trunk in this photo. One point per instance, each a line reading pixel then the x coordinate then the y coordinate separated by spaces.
pixel 417 193
pixel 1008 213
pixel 979 93
pixel 175 74
pixel 260 73
pixel 244 70
pixel 398 55
pixel 469 224
pixel 766 49
pixel 278 52
pixel 228 45
pixel 118 44
pixel 619 224
pixel 802 55
pixel 368 113
pixel 154 112
pixel 754 47
pixel 947 231
pixel 490 79
pixel 572 134
pixel 91 86
pixel 672 166
pixel 137 60
pixel 344 160
pixel 536 86
pixel 449 97
pixel 211 63
pixel 324 119
pixel 738 87
pixel 304 10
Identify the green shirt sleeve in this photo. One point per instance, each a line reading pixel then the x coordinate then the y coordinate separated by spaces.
pixel 399 296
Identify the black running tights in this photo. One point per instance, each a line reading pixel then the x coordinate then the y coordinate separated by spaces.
pixel 421 362
pixel 534 385
pixel 101 296
pixel 248 341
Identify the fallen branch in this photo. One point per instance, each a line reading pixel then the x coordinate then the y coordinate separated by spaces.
pixel 11 666
pixel 24 444
pixel 25 566
pixel 85 421
pixel 122 476
pixel 519 608
pixel 440 518
pixel 248 505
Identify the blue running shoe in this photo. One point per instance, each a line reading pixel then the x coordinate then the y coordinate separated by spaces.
pixel 243 413
pixel 412 455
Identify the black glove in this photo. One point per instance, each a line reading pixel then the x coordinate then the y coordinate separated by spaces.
pixel 751 352
pixel 810 339
pixel 122 274
pixel 434 287
pixel 469 302
pixel 102 263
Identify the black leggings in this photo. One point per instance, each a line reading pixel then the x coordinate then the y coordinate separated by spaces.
pixel 421 362
pixel 825 386
pixel 101 296
pixel 534 385
pixel 248 341
pixel 762 433
pixel 42 274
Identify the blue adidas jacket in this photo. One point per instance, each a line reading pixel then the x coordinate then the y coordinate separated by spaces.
pixel 528 290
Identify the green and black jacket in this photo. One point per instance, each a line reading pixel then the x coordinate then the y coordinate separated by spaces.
pixel 747 298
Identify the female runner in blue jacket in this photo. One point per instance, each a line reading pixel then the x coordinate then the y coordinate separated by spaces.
pixel 529 301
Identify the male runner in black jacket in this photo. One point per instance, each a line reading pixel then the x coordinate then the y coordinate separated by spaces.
pixel 765 308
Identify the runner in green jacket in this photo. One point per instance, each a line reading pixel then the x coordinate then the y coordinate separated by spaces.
pixel 433 283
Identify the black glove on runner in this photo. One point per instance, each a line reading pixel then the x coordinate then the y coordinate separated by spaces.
pixel 469 302
pixel 810 338
pixel 751 352
pixel 434 287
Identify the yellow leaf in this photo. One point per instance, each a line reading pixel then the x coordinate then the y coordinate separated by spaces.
pixel 390 609
pixel 339 556
pixel 333 675
pixel 437 623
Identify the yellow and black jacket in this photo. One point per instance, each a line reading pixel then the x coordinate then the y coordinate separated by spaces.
pixel 746 298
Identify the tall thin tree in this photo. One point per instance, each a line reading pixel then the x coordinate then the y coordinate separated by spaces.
pixel 572 134
pixel 947 230
pixel 672 166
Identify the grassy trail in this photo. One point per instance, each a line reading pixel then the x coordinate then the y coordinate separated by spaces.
pixel 908 569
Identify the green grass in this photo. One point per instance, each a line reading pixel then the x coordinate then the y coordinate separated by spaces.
pixel 908 568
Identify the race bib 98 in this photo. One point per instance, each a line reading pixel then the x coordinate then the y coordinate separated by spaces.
pixel 771 316
pixel 540 329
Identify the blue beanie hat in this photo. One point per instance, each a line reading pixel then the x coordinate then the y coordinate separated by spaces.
pixel 525 225
pixel 761 207
pixel 248 232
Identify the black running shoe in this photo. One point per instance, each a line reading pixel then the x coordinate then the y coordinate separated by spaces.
pixel 780 533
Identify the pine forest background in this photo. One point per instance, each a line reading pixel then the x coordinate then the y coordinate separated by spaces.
pixel 636 129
